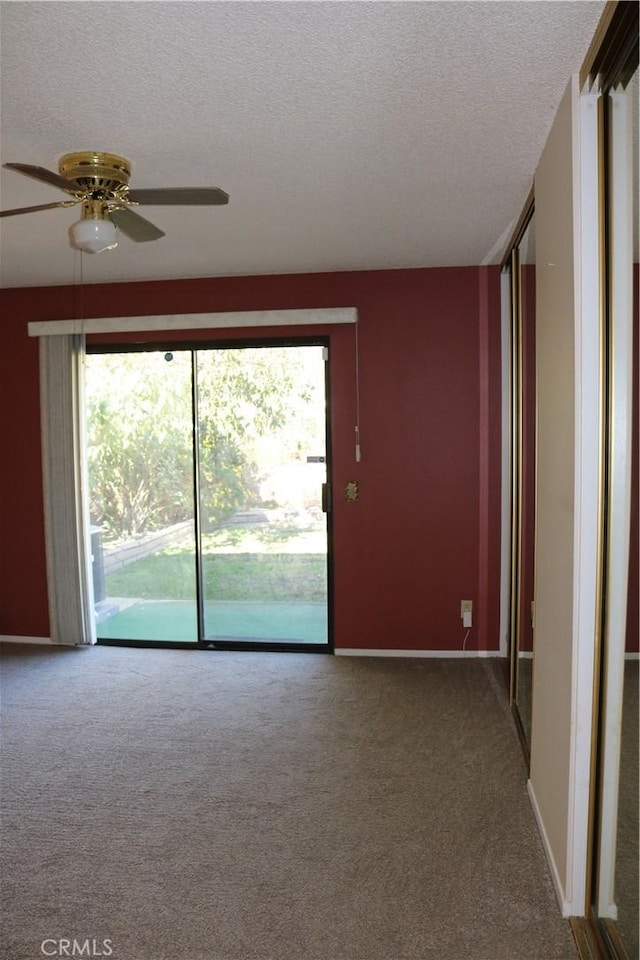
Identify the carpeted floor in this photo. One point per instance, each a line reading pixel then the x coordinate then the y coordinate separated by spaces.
pixel 627 892
pixel 194 805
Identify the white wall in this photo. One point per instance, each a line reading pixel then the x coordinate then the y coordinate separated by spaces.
pixel 551 710
pixel 567 334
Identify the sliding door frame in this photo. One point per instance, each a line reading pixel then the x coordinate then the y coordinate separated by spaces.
pixel 609 65
pixel 511 269
pixel 193 346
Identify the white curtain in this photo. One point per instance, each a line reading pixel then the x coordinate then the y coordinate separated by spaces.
pixel 64 472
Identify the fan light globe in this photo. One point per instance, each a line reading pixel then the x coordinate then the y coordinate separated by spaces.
pixel 94 236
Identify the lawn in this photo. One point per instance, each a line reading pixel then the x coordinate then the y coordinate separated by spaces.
pixel 263 564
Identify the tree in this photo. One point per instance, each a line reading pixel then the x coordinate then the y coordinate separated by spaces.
pixel 140 431
pixel 139 441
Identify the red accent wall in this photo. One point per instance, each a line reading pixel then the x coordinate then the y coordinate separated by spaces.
pixel 23 594
pixel 425 532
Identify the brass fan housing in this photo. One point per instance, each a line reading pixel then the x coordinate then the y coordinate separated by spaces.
pixel 93 172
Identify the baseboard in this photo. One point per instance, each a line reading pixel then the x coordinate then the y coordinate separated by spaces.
pixel 436 654
pixel 555 876
pixel 6 639
pixel 339 651
pixel 608 912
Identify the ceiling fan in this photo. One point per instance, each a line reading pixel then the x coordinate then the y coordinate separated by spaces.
pixel 100 182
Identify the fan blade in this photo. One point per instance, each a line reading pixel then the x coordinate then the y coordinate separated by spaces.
pixel 134 226
pixel 42 206
pixel 180 196
pixel 40 173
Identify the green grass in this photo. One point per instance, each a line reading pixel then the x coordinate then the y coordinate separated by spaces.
pixel 170 575
pixel 261 581
pixel 269 536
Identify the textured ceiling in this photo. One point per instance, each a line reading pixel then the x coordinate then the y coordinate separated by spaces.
pixel 348 135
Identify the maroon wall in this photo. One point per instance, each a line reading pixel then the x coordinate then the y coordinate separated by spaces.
pixel 425 532
pixel 23 597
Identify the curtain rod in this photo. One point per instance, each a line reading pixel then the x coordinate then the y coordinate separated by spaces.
pixel 195 321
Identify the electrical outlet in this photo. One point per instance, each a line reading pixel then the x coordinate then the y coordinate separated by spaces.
pixel 466 612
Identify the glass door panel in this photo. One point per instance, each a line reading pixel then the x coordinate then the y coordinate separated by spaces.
pixel 262 467
pixel 141 480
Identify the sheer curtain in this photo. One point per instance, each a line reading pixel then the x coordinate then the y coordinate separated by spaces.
pixel 64 476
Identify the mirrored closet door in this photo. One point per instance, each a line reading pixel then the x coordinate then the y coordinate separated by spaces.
pixel 614 882
pixel 521 269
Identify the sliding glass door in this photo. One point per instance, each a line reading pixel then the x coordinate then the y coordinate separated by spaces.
pixel 207 493
pixel 262 458
pixel 141 480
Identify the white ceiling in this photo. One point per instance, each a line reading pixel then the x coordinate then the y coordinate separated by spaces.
pixel 349 135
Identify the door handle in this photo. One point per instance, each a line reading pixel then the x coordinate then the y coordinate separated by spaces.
pixel 326 498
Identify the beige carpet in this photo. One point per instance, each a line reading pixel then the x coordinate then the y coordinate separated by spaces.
pixel 627 891
pixel 191 805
